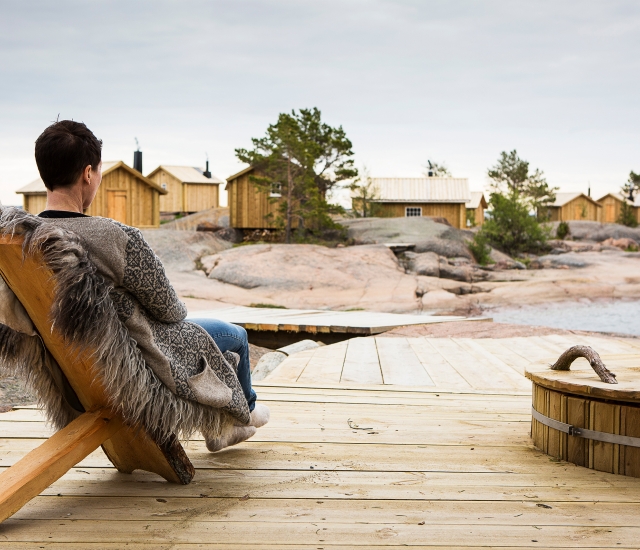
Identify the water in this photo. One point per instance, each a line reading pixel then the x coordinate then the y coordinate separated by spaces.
pixel 599 316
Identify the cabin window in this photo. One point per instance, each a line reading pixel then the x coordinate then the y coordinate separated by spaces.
pixel 276 189
pixel 163 185
pixel 413 211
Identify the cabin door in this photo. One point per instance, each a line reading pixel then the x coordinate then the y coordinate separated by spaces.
pixel 117 206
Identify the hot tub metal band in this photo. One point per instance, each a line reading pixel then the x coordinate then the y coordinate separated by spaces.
pixel 582 432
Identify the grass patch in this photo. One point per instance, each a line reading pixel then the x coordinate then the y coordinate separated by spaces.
pixel 268 306
pixel 354 309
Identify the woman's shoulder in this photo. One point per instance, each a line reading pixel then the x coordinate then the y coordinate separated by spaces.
pixel 97 228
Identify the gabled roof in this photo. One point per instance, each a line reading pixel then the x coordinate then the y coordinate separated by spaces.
pixel 37 187
pixel 424 190
pixel 237 175
pixel 241 173
pixel 477 199
pixel 187 174
pixel 566 198
pixel 619 197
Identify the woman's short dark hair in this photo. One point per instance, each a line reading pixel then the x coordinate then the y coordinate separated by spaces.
pixel 64 150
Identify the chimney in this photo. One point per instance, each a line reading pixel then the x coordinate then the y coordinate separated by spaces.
pixel 589 191
pixel 137 158
pixel 206 173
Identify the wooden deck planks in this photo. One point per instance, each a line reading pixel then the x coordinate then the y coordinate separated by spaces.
pixel 361 362
pixel 456 364
pixel 290 488
pixel 300 320
pixel 399 363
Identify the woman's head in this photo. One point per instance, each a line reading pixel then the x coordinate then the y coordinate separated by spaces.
pixel 68 154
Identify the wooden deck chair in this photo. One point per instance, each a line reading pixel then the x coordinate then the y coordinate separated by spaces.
pixel 128 449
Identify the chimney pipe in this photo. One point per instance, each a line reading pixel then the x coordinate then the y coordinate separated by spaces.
pixel 137 158
pixel 206 173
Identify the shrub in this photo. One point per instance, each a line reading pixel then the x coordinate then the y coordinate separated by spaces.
pixel 627 215
pixel 511 228
pixel 562 231
pixel 480 249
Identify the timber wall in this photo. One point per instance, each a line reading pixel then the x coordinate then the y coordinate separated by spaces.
pixel 579 209
pixel 34 204
pixel 479 216
pixel 185 197
pixel 125 198
pixel 248 205
pixel 454 213
pixel 200 196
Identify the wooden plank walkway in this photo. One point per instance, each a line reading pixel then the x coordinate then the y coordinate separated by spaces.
pixel 461 364
pixel 339 468
pixel 352 323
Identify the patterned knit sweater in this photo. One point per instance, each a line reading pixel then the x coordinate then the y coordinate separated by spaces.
pixel 182 355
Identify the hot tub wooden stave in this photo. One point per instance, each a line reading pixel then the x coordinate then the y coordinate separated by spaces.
pixel 577 398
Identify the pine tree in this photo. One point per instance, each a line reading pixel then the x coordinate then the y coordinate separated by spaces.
pixel 305 158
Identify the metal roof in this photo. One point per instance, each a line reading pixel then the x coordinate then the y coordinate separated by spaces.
pixel 188 174
pixel 422 189
pixel 476 198
pixel 618 196
pixel 565 198
pixel 37 187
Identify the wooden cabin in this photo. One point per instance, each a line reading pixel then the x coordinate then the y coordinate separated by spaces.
pixel 433 196
pixel 125 195
pixel 249 206
pixel 574 207
pixel 612 204
pixel 188 189
pixel 475 209
pixel 34 196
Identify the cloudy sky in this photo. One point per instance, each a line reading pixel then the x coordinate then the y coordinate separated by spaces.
pixel 409 80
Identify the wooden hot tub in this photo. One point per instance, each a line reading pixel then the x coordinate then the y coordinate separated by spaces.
pixel 578 418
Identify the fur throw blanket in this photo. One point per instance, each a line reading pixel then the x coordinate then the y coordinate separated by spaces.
pixel 86 316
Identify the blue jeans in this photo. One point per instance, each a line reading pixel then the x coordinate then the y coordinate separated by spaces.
pixel 233 338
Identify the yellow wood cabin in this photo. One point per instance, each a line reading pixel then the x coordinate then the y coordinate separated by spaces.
pixel 433 196
pixel 125 195
pixel 612 204
pixel 475 209
pixel 188 189
pixel 574 207
pixel 250 206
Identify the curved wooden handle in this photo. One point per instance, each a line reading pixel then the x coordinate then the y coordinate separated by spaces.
pixel 569 356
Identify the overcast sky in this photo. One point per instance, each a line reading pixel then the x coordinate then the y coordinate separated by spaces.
pixel 452 81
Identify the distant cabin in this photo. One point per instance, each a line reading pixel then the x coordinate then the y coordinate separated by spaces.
pixel 249 206
pixel 612 204
pixel 574 207
pixel 125 195
pixel 434 196
pixel 188 189
pixel 475 209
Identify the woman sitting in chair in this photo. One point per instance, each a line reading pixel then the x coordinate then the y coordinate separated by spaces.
pixel 195 360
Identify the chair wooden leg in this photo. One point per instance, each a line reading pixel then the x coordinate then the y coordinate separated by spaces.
pixel 131 450
pixel 51 460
